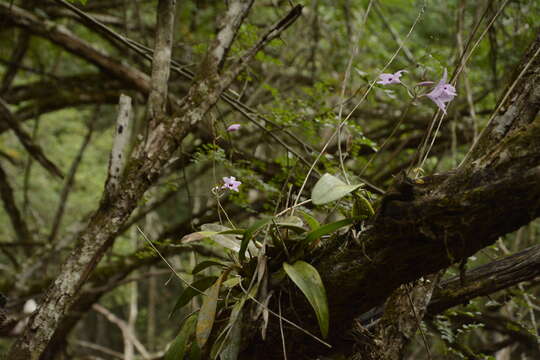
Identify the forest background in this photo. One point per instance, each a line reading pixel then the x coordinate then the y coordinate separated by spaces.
pixel 373 221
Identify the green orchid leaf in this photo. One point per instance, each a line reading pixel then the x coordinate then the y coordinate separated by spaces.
pixel 329 188
pixel 248 235
pixel 190 292
pixel 206 264
pixel 310 220
pixel 328 229
pixel 207 313
pixel 307 278
pixel 178 347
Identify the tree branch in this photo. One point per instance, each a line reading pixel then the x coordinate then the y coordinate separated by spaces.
pixel 143 169
pixel 70 181
pixel 435 222
pixel 61 36
pixel 19 225
pixel 34 150
pixel 487 279
pixel 161 62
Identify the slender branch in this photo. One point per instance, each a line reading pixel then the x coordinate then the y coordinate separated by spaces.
pixel 19 225
pixel 33 149
pixel 124 327
pixel 61 36
pixel 100 348
pixel 487 279
pixel 70 181
pixel 395 35
pixel 16 58
pixel 157 101
pixel 228 96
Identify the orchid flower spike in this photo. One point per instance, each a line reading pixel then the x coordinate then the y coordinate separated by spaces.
pixel 387 79
pixel 231 183
pixel 442 93
pixel 233 127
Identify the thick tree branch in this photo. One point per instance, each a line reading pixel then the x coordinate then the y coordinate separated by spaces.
pixel 433 223
pixel 487 279
pixel 403 313
pixel 480 281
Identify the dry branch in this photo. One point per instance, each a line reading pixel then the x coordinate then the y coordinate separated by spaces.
pixel 19 225
pixel 143 169
pixel 61 36
pixel 70 181
pixel 26 140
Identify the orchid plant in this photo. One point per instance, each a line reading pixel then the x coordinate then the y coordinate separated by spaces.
pixel 272 250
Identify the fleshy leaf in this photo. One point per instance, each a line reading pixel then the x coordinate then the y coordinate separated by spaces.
pixel 328 229
pixel 189 292
pixel 307 278
pixel 222 236
pixel 362 206
pixel 310 220
pixel 248 235
pixel 291 222
pixel 205 264
pixel 329 188
pixel 207 314
pixel 178 347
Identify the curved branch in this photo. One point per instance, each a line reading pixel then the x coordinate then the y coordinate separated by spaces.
pixel 61 36
pixel 26 140
pixel 487 279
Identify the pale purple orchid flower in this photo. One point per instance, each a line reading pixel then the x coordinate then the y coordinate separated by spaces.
pixel 233 127
pixel 231 183
pixel 387 79
pixel 442 93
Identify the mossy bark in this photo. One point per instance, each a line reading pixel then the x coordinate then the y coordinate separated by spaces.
pixel 448 218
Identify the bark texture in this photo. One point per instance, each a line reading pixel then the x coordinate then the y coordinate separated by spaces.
pixel 437 221
pixel 142 170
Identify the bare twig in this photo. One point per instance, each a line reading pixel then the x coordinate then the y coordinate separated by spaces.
pixel 395 35
pixel 33 149
pixel 19 225
pixel 124 327
pixel 70 181
pixel 15 60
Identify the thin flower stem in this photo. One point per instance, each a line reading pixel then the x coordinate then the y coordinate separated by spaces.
pixel 388 138
pixel 166 262
pixel 432 142
pixel 281 329
pixel 284 319
pixel 354 52
pixel 423 154
pixel 462 65
pixel 419 16
pixel 293 207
